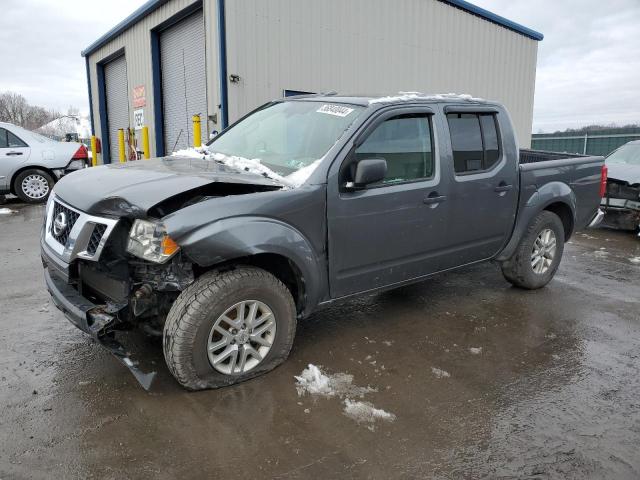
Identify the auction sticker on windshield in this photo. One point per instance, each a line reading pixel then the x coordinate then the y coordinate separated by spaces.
pixel 337 110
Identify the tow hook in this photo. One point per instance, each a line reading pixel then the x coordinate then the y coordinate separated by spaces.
pixel 100 322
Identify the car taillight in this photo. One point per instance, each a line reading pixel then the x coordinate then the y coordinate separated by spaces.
pixel 81 154
pixel 603 181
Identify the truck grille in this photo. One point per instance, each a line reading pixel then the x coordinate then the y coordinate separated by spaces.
pixel 71 218
pixel 96 236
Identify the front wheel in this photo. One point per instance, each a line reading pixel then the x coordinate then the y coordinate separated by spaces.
pixel 33 185
pixel 538 255
pixel 228 327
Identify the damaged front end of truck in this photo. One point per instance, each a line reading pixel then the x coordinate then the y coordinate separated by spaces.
pixel 110 264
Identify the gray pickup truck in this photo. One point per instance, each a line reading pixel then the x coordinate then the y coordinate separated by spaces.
pixel 304 202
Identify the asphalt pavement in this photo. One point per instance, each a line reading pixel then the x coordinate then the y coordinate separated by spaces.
pixel 470 378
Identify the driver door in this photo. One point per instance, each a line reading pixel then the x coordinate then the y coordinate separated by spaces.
pixel 391 231
pixel 13 153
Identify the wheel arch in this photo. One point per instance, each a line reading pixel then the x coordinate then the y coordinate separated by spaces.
pixel 30 167
pixel 265 243
pixel 556 197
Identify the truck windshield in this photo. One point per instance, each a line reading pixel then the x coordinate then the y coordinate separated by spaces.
pixel 287 136
pixel 627 154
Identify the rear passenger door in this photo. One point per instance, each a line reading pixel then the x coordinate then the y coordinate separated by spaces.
pixel 391 231
pixel 484 188
pixel 13 153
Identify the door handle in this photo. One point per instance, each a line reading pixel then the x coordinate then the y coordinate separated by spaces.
pixel 434 198
pixel 14 153
pixel 503 187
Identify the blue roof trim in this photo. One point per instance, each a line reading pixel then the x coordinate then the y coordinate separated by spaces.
pixel 152 5
pixel 131 20
pixel 492 17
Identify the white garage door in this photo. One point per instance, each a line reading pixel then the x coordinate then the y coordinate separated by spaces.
pixel 116 92
pixel 184 88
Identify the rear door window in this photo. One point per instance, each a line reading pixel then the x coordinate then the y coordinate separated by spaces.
pixel 3 138
pixel 475 142
pixel 13 141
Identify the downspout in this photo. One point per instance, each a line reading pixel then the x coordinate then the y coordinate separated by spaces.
pixel 93 131
pixel 222 57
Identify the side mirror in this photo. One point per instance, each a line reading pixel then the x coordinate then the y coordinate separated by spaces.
pixel 368 171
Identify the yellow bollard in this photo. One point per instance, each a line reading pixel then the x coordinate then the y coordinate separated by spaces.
pixel 94 154
pixel 197 142
pixel 145 142
pixel 122 152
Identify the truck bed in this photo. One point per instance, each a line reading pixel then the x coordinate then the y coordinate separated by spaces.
pixel 535 156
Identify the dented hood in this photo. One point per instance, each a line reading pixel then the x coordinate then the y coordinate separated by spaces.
pixel 133 188
pixel 624 173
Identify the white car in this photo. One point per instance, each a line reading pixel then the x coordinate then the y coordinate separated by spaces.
pixel 30 163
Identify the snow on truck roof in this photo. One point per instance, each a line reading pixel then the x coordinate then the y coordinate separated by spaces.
pixel 400 97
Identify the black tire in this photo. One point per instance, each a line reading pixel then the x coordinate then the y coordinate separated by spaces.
pixel 518 269
pixel 25 195
pixel 192 316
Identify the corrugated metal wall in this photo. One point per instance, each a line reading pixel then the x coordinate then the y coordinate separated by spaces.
pixel 136 42
pixel 597 142
pixel 375 46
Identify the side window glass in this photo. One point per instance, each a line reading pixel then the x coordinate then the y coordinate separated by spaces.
pixel 474 140
pixel 466 141
pixel 3 138
pixel 13 141
pixel 491 144
pixel 405 143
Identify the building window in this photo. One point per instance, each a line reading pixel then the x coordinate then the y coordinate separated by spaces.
pixel 405 143
pixel 474 140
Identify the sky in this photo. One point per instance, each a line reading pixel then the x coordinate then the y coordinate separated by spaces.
pixel 588 63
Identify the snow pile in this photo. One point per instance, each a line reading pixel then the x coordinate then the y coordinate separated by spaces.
pixel 6 211
pixel 314 381
pixel 635 260
pixel 440 373
pixel 476 350
pixel 365 412
pixel 408 96
pixel 252 165
pixel 68 124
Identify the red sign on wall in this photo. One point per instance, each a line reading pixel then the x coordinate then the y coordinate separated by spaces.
pixel 139 99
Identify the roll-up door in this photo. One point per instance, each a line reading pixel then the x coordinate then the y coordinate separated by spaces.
pixel 117 99
pixel 182 60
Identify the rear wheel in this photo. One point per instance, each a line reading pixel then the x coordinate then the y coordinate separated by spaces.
pixel 538 255
pixel 228 327
pixel 33 185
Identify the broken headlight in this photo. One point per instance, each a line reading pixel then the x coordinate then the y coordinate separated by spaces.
pixel 149 241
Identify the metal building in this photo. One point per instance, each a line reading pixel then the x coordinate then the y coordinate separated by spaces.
pixel 221 59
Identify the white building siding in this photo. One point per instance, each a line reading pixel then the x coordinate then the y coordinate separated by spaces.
pixel 136 42
pixel 375 46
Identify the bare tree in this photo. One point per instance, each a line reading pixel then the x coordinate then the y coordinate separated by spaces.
pixel 15 109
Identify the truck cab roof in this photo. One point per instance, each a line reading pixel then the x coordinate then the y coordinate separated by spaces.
pixel 366 100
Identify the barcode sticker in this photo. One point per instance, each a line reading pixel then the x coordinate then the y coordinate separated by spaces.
pixel 337 110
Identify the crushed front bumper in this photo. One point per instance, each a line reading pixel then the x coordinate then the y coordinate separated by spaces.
pixel 96 320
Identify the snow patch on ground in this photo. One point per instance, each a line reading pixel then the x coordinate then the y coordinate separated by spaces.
pixel 6 211
pixel 252 165
pixel 314 381
pixel 476 350
pixel 635 260
pixel 365 412
pixel 408 96
pixel 440 373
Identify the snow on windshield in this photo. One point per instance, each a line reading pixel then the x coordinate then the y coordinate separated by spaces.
pixel 408 96
pixel 252 165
